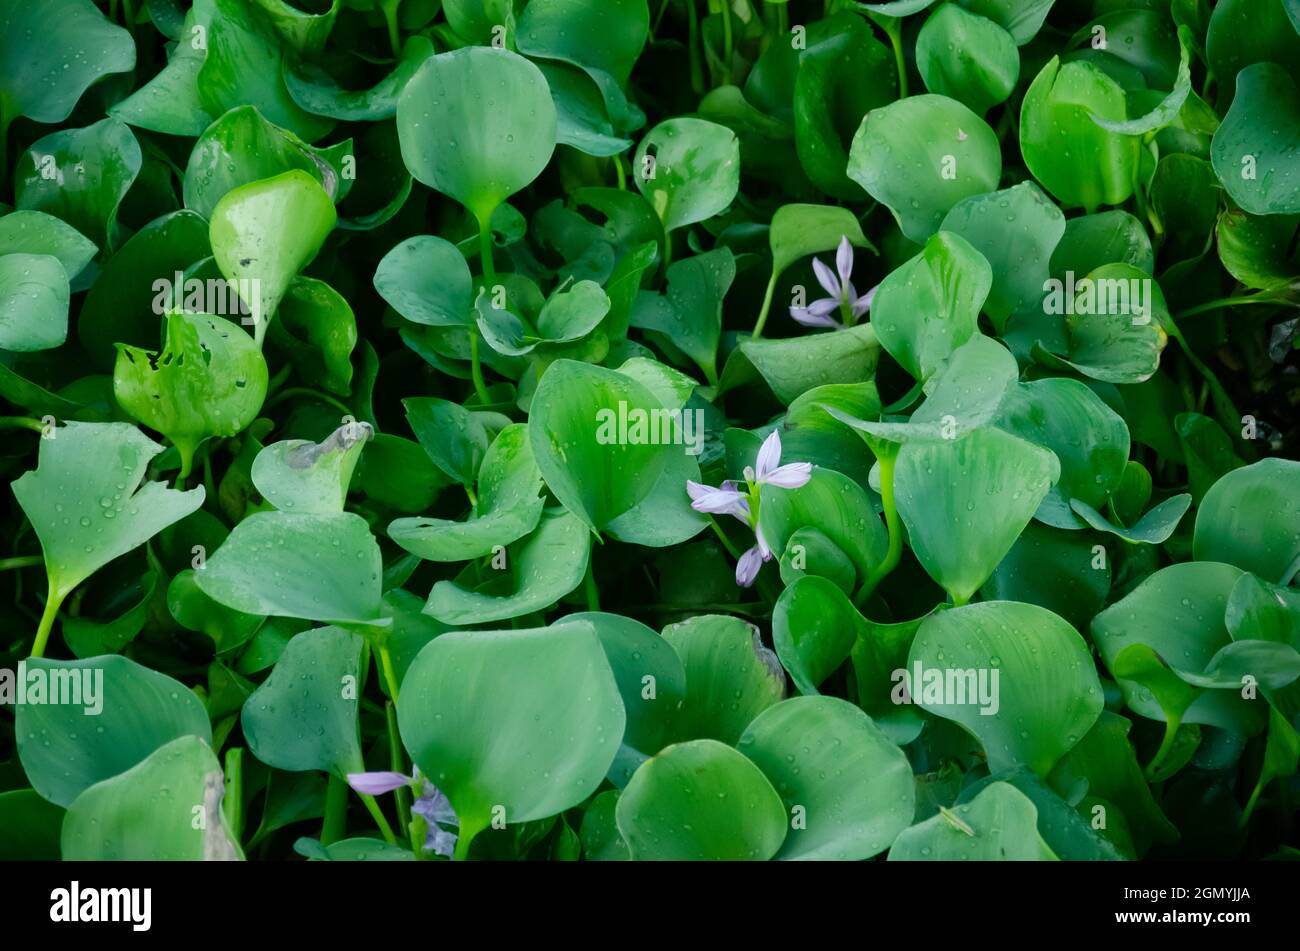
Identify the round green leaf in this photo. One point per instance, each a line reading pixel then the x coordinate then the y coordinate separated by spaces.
pixel 426 280
pixel 965 502
pixel 125 712
pixel 1075 159
pixel 1000 824
pixel 265 232
pixel 477 124
pixel 209 380
pixel 304 715
pixel 701 801
pixel 1256 151
pixel 1046 694
pixel 148 812
pixel 1251 518
pixel 34 296
pixel 850 786
pixel 688 169
pixel 920 156
pixel 967 57
pixel 319 567
pixel 490 732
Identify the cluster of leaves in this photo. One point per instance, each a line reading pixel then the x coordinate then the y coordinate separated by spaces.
pixel 323 482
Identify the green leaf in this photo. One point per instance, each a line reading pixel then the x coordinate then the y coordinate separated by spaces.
pixel 688 169
pixel 999 824
pixel 242 147
pixel 307 477
pixel 1045 697
pixel 169 102
pixel 574 431
pixel 314 683
pixel 34 232
pixel 965 501
pixel 849 785
pixel 1169 107
pixel 929 306
pixel 793 366
pixel 607 37
pixel 1089 439
pixel 538 571
pixel 1254 150
pixel 33 302
pixel 265 232
pixel 242 67
pixel 319 567
pixel 730 676
pixel 967 57
pixel 426 280
pixel 701 801
pixel 508 508
pixel 1072 156
pixel 1055 569
pixel 29 827
pixel 835 506
pixel 502 742
pixel 137 283
pixel 51 52
pixel 81 176
pixel 86 503
pixel 1251 518
pixel 1016 230
pixel 316 91
pixel 1178 612
pixel 800 230
pixel 920 156
pixel 477 124
pixel 1153 528
pixel 148 812
pixel 208 380
pixel 65 749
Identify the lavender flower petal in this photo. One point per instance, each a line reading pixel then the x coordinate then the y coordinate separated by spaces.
pixel 827 279
pixel 378 783
pixel 844 259
pixel 748 566
pixel 769 456
pixel 705 498
pixel 792 475
pixel 807 317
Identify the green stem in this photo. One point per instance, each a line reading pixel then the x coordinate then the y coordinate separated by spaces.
pixel 722 537
pixel 389 8
pixel 334 826
pixel 187 464
pixel 619 171
pixel 663 8
pixel 489 282
pixel 767 306
pixel 4 148
pixel 1251 803
pixel 397 763
pixel 887 458
pixel 21 561
pixel 1230 418
pixel 378 815
pixel 470 826
pixel 589 586
pixel 1167 744
pixel 1263 297
pixel 22 422
pixel 53 601
pixel 234 800
pixel 387 669
pixel 727 43
pixel 693 41
pixel 895 33
pixel 472 496
pixel 668 249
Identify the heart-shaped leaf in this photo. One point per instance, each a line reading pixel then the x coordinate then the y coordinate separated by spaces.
pixel 688 169
pixel 1017 676
pixel 799 744
pixel 1000 824
pixel 501 741
pixel 1251 518
pixel 1254 150
pixel 701 801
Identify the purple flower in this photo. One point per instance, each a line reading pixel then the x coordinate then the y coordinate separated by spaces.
pixel 431 803
pixel 843 295
pixel 728 499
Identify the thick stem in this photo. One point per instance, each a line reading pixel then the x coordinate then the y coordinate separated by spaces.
pixel 20 561
pixel 489 282
pixel 234 801
pixel 693 40
pixel 22 422
pixel 589 586
pixel 334 826
pixel 378 815
pixel 767 306
pixel 389 8
pixel 893 29
pixel 397 763
pixel 1171 733
pixel 894 552
pixel 727 44
pixel 53 600
pixel 620 172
